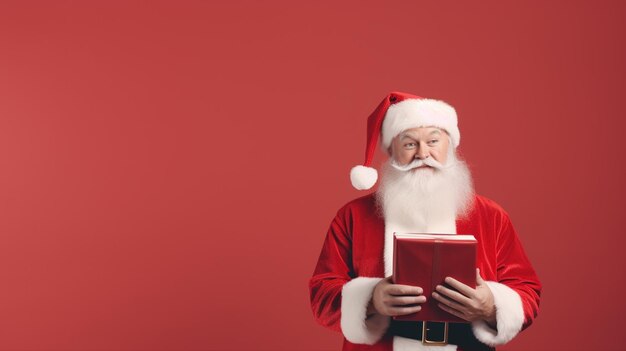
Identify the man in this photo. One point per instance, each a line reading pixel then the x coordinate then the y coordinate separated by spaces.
pixel 425 188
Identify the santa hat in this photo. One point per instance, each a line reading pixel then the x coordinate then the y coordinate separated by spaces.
pixel 396 113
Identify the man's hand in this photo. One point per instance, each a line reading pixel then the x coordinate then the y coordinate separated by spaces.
pixel 395 299
pixel 465 302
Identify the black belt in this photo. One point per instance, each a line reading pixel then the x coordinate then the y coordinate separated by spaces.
pixel 459 334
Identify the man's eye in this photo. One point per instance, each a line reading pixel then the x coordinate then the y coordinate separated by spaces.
pixel 434 141
pixel 409 145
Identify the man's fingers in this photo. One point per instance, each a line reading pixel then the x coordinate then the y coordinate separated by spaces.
pixel 401 311
pixel 452 311
pixel 399 289
pixel 453 295
pixel 450 303
pixel 462 288
pixel 406 300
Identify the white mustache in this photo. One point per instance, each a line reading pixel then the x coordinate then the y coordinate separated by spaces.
pixel 418 163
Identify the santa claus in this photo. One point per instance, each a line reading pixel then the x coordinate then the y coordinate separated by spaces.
pixel 425 188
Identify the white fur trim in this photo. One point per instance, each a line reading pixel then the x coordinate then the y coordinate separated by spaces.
pixel 362 177
pixel 509 316
pixel 413 113
pixel 405 344
pixel 355 296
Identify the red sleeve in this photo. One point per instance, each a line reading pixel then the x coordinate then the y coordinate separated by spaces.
pixel 515 270
pixel 333 270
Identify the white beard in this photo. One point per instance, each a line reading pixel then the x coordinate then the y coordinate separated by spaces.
pixel 426 200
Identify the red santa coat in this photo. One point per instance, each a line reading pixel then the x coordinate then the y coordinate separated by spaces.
pixel 352 260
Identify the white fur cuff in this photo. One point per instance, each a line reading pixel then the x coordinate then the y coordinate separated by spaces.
pixel 355 296
pixel 509 316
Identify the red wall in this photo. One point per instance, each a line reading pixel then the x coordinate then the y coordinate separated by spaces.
pixel 169 170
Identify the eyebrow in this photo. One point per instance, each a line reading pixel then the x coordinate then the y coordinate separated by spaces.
pixel 408 135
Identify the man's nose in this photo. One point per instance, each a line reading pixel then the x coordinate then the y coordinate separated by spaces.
pixel 422 153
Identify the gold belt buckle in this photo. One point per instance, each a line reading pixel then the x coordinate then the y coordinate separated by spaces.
pixel 425 340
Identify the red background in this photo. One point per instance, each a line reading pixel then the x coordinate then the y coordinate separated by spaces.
pixel 169 170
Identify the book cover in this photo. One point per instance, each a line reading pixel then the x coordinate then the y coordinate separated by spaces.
pixel 425 260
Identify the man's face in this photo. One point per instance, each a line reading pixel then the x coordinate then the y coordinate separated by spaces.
pixel 420 143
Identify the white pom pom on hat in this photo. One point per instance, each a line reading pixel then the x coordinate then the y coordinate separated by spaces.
pixel 396 113
pixel 362 177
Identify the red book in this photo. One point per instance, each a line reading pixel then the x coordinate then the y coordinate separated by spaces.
pixel 425 260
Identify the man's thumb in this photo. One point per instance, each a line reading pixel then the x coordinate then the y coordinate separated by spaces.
pixel 479 279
